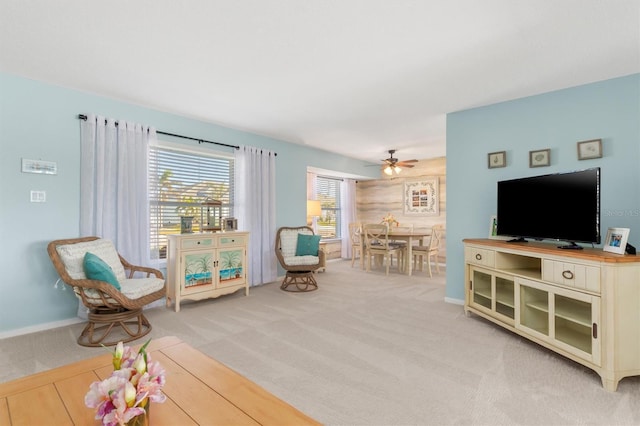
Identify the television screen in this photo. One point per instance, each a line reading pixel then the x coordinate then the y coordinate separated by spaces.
pixel 561 206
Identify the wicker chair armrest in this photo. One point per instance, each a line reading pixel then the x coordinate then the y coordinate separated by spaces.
pixel 143 269
pixel 136 268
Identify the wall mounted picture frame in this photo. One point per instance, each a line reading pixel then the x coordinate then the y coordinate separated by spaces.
pixel 39 166
pixel 540 158
pixel 616 240
pixel 421 197
pixel 497 159
pixel 590 149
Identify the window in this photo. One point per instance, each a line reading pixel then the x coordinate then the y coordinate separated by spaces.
pixel 328 192
pixel 179 181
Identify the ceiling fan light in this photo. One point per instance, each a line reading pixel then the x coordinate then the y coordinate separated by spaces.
pixel 397 169
pixel 388 170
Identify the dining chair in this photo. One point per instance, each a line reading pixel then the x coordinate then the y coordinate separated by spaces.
pixel 377 243
pixel 355 236
pixel 400 229
pixel 426 252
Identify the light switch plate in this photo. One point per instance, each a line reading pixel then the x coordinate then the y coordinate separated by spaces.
pixel 38 196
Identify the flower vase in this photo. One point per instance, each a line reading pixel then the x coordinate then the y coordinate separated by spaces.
pixel 142 419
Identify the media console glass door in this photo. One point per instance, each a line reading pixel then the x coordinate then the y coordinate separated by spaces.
pixel 567 319
pixel 493 292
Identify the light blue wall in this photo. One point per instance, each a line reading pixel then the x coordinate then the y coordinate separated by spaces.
pixel 607 110
pixel 39 121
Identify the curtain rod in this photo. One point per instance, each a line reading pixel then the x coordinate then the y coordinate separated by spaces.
pixel 84 117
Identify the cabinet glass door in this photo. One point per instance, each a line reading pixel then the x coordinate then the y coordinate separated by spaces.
pixel 504 297
pixel 534 309
pixel 573 322
pixel 481 284
pixel 493 292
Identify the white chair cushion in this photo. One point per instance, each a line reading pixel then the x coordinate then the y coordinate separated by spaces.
pixel 301 260
pixel 133 288
pixel 289 242
pixel 72 255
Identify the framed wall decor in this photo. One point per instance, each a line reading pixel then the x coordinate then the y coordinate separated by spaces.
pixel 540 158
pixel 497 159
pixel 39 166
pixel 590 149
pixel 616 240
pixel 421 197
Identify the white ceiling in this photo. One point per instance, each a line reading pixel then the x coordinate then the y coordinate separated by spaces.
pixel 356 77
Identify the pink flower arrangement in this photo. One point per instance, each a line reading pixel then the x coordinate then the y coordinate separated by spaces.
pixel 135 381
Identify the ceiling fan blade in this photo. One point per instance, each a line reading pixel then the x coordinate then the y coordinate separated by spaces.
pixel 409 161
pixel 405 165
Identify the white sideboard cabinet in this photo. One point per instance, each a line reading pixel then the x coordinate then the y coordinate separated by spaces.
pixel 206 265
pixel 583 304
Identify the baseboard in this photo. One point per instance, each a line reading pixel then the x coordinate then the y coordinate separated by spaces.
pixel 40 327
pixel 454 301
pixel 81 318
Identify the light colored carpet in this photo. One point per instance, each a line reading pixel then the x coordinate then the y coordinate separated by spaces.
pixel 365 349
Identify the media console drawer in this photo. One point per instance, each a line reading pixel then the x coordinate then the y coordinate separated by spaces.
pixel 575 275
pixel 480 256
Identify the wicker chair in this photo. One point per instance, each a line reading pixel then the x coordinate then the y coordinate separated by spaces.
pixel 114 315
pixel 299 269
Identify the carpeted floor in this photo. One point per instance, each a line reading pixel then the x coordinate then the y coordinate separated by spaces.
pixel 366 349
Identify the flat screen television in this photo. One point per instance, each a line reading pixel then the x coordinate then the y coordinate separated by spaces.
pixel 560 206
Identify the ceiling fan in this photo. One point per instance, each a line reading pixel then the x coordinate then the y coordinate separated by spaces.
pixel 392 164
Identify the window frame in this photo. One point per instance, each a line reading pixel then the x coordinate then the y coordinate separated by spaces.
pixel 156 236
pixel 337 210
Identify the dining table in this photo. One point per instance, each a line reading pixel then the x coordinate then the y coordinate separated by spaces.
pixel 410 237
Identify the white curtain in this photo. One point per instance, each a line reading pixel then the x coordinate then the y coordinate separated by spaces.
pixel 255 208
pixel 348 211
pixel 114 196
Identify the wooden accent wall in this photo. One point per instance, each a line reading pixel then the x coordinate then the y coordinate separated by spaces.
pixel 377 198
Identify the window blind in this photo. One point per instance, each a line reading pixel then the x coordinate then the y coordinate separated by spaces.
pixel 179 181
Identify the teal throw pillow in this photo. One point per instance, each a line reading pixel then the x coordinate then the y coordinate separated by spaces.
pixel 307 245
pixel 97 269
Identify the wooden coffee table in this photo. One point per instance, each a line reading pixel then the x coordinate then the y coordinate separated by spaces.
pixel 199 389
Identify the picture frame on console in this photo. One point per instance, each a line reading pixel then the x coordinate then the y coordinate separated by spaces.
pixel 616 240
